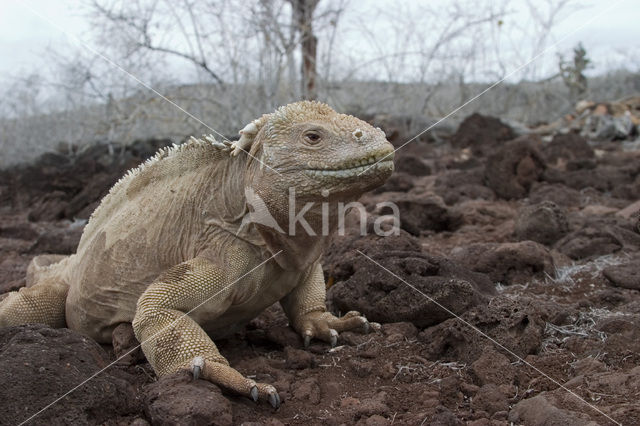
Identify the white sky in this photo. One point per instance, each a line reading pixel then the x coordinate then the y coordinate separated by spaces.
pixel 611 40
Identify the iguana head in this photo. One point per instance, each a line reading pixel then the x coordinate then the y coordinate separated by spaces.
pixel 304 160
pixel 316 151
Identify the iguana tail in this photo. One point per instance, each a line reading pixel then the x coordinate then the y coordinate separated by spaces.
pixel 43 267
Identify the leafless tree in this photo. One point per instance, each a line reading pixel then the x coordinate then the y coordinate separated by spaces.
pixel 303 16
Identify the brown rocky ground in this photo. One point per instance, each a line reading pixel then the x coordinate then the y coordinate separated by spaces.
pixel 534 243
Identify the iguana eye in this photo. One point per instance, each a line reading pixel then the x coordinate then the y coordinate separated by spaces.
pixel 312 138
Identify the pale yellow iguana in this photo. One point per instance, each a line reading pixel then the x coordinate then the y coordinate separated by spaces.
pixel 200 239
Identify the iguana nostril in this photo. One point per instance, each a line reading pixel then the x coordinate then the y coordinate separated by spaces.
pixel 358 133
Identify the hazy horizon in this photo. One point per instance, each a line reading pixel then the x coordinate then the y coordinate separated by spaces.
pixel 611 40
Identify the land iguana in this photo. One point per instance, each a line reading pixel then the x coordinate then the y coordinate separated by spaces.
pixel 180 246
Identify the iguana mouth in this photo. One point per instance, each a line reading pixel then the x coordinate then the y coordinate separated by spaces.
pixel 374 162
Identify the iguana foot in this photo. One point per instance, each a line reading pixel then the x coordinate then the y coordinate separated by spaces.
pixel 225 145
pixel 236 148
pixel 326 326
pixel 231 379
pixel 247 134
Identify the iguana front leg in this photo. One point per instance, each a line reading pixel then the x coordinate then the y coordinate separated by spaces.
pixel 306 309
pixel 172 341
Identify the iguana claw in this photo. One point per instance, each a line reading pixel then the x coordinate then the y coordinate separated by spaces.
pixel 226 377
pixel 334 338
pixel 196 367
pixel 326 327
pixel 274 399
pixel 221 146
pixel 224 146
pixel 236 148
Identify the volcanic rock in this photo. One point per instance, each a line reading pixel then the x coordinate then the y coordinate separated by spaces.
pixel 481 133
pixel 626 275
pixel 514 167
pixel 178 399
pixel 393 284
pixel 39 364
pixel 507 263
pixel 544 223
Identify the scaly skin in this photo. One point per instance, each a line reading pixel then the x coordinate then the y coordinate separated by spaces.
pixel 179 235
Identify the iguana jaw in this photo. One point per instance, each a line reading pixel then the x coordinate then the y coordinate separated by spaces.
pixel 380 162
pixel 385 166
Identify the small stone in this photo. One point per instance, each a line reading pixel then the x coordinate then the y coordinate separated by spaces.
pixel 567 147
pixel 406 329
pixel 493 368
pixel 444 417
pixel 394 338
pixel 299 359
pixel 284 336
pixel 588 366
pixel 626 275
pixel 349 402
pixel 375 420
pixel 538 410
pixel 479 422
pixel 513 168
pixel 490 399
pixel 306 390
pixel 125 345
pixel 630 211
pixel 368 354
pixel 450 393
pixel 507 263
pixel 273 422
pixel 544 223
pixel 350 338
pixel 388 371
pixel 591 240
pixel 178 399
pixel 469 389
pixel 500 415
pixel 411 165
pixel 426 213
pixel 361 368
pixel 331 390
pixel 375 405
pixel 598 210
pixel 557 193
pixel 481 133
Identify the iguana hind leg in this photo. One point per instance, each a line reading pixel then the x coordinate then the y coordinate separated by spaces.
pixel 43 303
pixel 44 298
pixel 172 340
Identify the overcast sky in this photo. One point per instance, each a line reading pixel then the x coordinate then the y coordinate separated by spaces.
pixel 612 40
